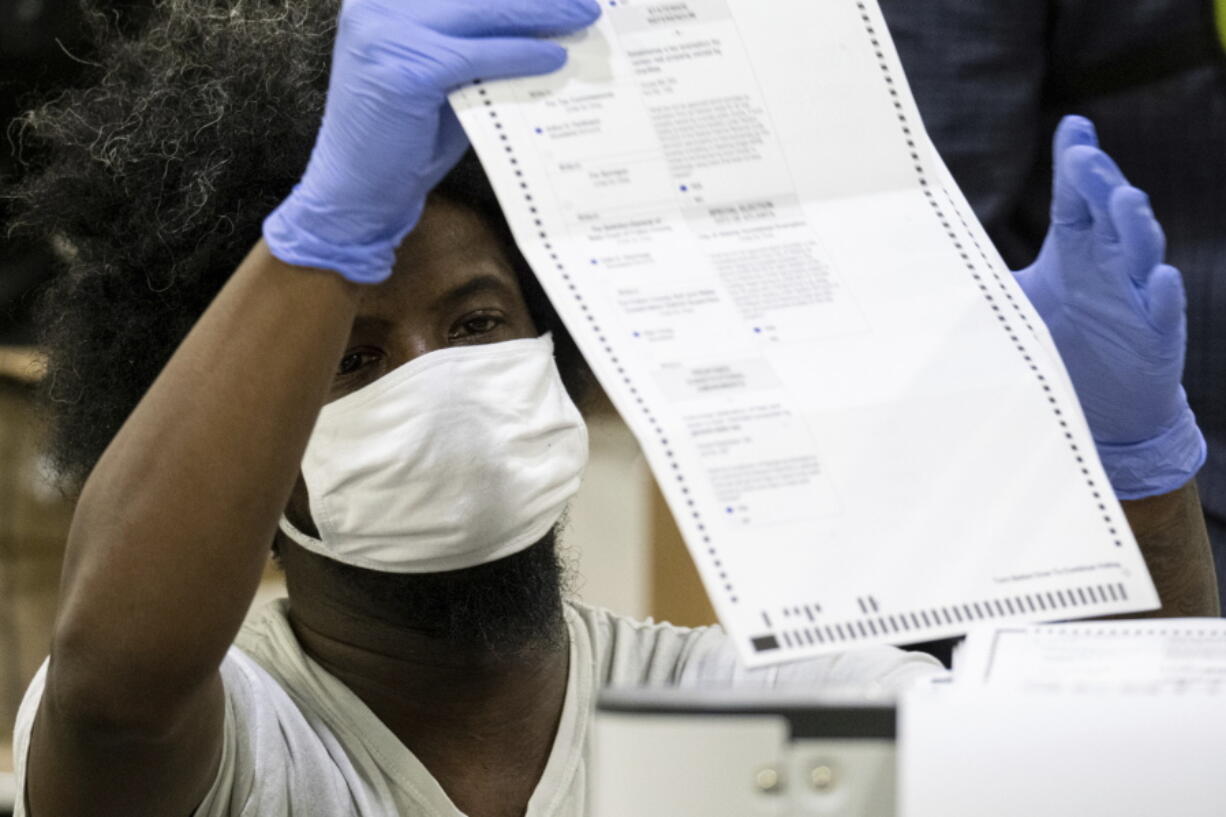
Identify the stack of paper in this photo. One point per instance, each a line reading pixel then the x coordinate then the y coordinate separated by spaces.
pixel 1115 718
pixel 1155 656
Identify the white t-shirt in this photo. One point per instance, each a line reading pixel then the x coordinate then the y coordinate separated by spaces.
pixel 299 742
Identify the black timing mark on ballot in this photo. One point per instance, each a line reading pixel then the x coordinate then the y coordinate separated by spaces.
pixel 913 624
pixel 763 643
pixel 599 335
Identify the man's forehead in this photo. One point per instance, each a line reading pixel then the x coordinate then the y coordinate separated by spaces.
pixel 446 237
pixel 450 246
pixel 438 287
pixel 447 228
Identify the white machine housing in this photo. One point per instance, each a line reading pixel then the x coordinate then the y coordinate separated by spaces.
pixel 725 753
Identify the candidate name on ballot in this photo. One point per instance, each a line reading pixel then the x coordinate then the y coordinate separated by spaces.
pixel 855 416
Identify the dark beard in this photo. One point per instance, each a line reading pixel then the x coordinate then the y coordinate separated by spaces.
pixel 507 607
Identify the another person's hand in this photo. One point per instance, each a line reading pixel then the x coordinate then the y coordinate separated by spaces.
pixel 1116 313
pixel 388 135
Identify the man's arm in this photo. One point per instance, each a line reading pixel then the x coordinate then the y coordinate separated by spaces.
pixel 168 542
pixel 1171 532
pixel 1116 314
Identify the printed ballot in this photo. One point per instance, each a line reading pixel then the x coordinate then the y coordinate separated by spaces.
pixel 859 423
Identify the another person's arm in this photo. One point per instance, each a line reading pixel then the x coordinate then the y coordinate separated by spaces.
pixel 1170 528
pixel 1116 313
pixel 978 70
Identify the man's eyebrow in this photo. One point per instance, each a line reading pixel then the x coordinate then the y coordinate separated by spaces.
pixel 486 282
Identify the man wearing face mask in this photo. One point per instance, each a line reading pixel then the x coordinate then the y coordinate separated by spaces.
pixel 375 390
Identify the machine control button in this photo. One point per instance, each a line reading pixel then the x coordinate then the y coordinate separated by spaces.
pixel 768 780
pixel 822 777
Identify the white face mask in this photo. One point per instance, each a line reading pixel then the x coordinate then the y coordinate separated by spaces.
pixel 459 457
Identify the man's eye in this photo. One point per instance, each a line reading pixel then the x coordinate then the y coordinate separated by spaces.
pixel 352 362
pixel 479 324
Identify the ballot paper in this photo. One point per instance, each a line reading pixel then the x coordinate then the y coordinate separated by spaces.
pixel 1156 656
pixel 859 423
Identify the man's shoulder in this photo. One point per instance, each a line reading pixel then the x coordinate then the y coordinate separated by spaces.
pixel 264 622
pixel 595 616
pixel 633 651
pixel 259 715
pixel 607 628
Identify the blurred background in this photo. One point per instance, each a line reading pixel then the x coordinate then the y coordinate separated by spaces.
pixel 33 516
pixel 992 77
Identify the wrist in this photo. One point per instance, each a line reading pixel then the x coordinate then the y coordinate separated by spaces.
pixel 1158 465
pixel 305 233
pixel 343 294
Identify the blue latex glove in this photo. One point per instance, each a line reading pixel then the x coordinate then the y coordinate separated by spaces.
pixel 1116 313
pixel 388 135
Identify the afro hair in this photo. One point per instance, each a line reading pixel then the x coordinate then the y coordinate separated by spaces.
pixel 152 181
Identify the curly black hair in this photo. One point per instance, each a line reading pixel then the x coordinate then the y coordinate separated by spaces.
pixel 153 179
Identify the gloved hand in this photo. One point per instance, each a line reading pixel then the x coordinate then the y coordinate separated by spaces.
pixel 388 135
pixel 1116 313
